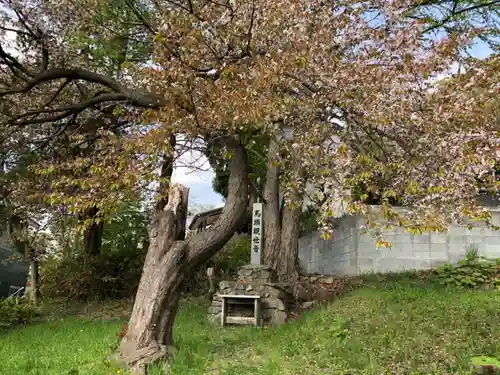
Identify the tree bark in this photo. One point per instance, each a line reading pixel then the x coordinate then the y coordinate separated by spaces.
pixel 287 262
pixel 169 261
pixel 150 328
pixel 281 226
pixel 92 234
pixel 272 217
pixel 34 278
pixel 167 169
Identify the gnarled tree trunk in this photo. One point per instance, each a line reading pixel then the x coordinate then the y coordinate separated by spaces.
pixel 170 260
pixel 272 215
pixel 150 328
pixel 281 228
pixel 287 261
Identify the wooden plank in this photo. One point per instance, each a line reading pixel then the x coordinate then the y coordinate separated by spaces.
pixel 257 312
pixel 237 296
pixel 244 302
pixel 240 320
pixel 224 313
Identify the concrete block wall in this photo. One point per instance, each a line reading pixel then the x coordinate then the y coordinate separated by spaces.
pixel 351 253
pixel 336 256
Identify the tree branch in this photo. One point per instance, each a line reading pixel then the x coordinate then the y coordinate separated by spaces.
pixel 13 64
pixel 56 94
pixel 120 93
pixel 454 13
pixel 66 111
pixel 204 245
pixel 60 73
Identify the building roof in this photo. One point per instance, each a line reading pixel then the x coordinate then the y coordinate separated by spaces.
pixel 205 218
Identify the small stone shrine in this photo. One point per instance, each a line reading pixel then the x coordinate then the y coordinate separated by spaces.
pixel 254 280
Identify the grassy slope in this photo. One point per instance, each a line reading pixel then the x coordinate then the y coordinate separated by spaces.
pixel 394 327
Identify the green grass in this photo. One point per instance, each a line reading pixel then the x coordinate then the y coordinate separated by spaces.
pixel 387 326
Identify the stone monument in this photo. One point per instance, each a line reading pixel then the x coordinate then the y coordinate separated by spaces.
pixel 259 280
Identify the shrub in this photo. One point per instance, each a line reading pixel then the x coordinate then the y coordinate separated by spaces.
pixel 108 275
pixel 234 254
pixel 17 310
pixel 226 262
pixel 113 273
pixel 473 271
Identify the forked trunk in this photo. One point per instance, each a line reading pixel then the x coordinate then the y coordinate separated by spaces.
pixel 170 260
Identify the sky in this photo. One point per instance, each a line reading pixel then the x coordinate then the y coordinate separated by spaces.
pixel 198 179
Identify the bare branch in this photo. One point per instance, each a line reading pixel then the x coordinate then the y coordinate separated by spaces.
pixel 141 17
pixel 66 111
pixel 17 31
pixel 120 93
pixel 14 64
pixel 56 94
pixel 454 13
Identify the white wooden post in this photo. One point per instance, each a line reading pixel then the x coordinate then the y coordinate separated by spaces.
pixel 256 243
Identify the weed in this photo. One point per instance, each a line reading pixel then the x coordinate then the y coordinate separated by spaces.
pixel 473 271
pixel 17 310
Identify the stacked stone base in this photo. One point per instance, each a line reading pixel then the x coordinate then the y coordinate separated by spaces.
pixel 276 298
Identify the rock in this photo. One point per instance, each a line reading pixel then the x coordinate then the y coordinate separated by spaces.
pixel 322 294
pixel 308 304
pixel 267 314
pixel 226 285
pixel 266 275
pixel 279 318
pixel 327 280
pixel 273 303
pixel 214 309
pixel 303 292
pixel 214 318
pixel 275 292
pixel 249 288
pixel 313 278
pixel 243 274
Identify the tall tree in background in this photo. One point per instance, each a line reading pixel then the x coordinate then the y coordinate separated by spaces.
pixel 255 144
pixel 218 69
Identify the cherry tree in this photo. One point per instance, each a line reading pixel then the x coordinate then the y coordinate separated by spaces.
pixel 217 70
